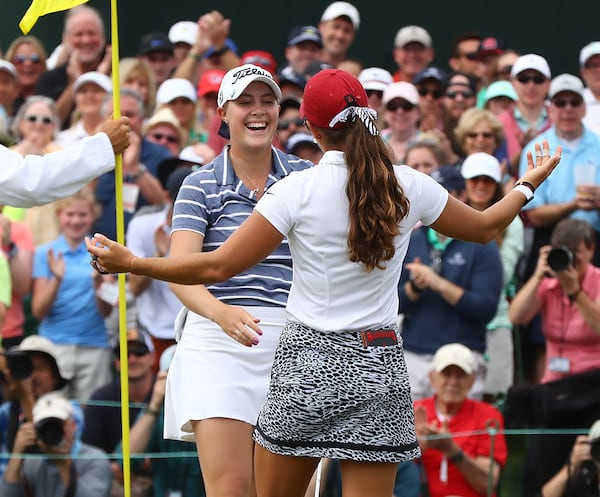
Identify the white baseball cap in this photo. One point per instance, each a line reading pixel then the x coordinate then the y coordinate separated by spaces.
pixel 375 78
pixel 565 82
pixel 173 88
pixel 453 354
pixel 42 345
pixel 409 34
pixel 531 61
pixel 8 67
pixel 401 89
pixel 481 164
pixel 95 77
pixel 588 51
pixel 339 9
pixel 183 32
pixel 52 405
pixel 236 80
pixel 594 430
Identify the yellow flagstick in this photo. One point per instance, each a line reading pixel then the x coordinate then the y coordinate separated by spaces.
pixel 123 353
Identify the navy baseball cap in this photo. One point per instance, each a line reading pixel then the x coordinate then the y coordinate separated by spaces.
pixel 430 72
pixel 304 33
pixel 155 42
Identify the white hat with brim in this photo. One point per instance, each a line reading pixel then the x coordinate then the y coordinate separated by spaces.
pixel 565 82
pixel 481 164
pixel 236 80
pixel 94 77
pixel 52 405
pixel 174 88
pixel 341 9
pixel 453 354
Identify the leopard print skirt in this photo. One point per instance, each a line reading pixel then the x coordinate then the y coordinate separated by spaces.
pixel 332 397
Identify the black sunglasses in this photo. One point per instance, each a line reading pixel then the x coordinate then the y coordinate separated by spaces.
pixel 21 59
pixel 286 123
pixel 428 91
pixel 538 79
pixel 484 134
pixel 161 136
pixel 32 118
pixel 462 93
pixel 393 106
pixel 563 102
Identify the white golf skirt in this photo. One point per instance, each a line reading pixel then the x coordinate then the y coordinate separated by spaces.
pixel 213 376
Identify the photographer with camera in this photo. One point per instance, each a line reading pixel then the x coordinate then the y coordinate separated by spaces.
pixel 72 469
pixel 27 372
pixel 565 290
pixel 580 475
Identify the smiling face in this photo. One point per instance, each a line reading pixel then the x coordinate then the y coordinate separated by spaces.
pixel 88 99
pixel 337 35
pixel 29 64
pixel 252 117
pixel 480 138
pixel 481 190
pixel 38 125
pixel 75 219
pixel 85 33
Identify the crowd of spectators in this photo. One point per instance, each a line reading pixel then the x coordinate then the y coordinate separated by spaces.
pixel 508 313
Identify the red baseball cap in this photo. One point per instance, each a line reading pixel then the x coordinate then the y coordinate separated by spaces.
pixel 328 93
pixel 260 58
pixel 210 82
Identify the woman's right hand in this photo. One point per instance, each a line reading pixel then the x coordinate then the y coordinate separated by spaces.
pixel 238 323
pixel 540 167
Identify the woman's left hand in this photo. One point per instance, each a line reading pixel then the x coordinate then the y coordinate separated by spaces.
pixel 540 167
pixel 110 255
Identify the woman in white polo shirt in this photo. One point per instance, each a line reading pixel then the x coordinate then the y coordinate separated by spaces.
pixel 339 386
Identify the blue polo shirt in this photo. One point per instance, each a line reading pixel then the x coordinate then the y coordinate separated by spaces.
pixel 213 202
pixel 73 317
pixel 559 187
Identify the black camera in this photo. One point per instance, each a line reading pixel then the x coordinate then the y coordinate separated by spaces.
pixel 19 363
pixel 560 258
pixel 50 431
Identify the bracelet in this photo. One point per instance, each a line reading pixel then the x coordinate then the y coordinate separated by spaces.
pixel 137 175
pixel 152 412
pixel 527 184
pixel 573 296
pixel 457 458
pixel 526 190
pixel 196 56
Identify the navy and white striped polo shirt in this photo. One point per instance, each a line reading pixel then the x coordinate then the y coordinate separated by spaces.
pixel 213 201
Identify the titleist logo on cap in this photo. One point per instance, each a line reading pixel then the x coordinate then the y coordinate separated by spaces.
pixel 249 71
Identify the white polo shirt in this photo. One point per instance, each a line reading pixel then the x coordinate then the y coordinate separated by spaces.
pixel 330 293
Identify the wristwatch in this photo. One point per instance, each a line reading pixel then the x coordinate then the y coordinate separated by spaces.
pixel 136 176
pixel 457 458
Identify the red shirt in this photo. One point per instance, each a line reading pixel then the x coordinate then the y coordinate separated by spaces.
pixel 473 417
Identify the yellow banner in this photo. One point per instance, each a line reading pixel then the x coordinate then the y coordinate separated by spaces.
pixel 39 8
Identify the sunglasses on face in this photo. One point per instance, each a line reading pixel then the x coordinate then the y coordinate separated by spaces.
pixel 463 93
pixel 393 106
pixel 538 79
pixel 563 102
pixel 136 352
pixel 485 134
pixel 32 118
pixel 170 138
pixel 377 93
pixel 428 91
pixel 505 70
pixel 286 123
pixel 21 59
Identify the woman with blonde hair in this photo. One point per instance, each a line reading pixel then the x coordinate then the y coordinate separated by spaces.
pixel 136 74
pixel 28 55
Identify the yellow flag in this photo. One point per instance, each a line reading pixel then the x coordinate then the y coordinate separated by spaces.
pixel 39 8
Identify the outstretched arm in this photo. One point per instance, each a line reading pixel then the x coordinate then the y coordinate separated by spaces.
pixel 251 243
pixel 458 220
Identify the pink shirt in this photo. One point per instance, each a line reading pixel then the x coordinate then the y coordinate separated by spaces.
pixel 13 324
pixel 567 334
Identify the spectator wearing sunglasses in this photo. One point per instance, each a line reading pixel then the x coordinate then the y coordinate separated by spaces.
pixel 430 85
pixel 530 76
pixel 35 126
pixel 448 293
pixel 566 195
pixel 164 129
pixel 589 62
pixel 290 121
pixel 28 55
pixel 464 48
pixel 374 80
pixel 401 101
pixel 459 95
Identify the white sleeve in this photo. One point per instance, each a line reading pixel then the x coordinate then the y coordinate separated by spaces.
pixel 36 180
pixel 279 204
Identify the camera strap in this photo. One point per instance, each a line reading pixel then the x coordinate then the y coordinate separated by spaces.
pixel 72 481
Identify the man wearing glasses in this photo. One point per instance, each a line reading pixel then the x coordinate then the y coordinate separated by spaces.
pixel 589 60
pixel 530 77
pixel 575 190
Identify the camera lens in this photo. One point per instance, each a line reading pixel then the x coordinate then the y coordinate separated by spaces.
pixel 50 431
pixel 560 258
pixel 19 364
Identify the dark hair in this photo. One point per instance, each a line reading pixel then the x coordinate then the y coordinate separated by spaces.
pixel 571 232
pixel 464 37
pixel 377 201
